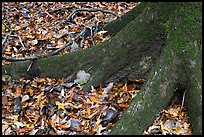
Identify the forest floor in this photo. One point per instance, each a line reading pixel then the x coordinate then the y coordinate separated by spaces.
pixel 47 106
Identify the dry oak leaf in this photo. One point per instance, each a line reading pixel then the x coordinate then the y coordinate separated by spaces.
pixel 95 99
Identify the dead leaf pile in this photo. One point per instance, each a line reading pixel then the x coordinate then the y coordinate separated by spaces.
pixel 171 121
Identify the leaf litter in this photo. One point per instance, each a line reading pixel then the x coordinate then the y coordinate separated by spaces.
pixel 172 120
pixel 47 106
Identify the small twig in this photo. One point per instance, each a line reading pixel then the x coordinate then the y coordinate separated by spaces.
pixel 30 66
pixel 89 10
pixel 21 42
pixel 92 37
pixel 9 24
pixel 15 9
pixel 6 38
pixel 183 100
pixel 4 57
pixel 49 14
pixel 89 68
pixel 6 26
pixel 18 38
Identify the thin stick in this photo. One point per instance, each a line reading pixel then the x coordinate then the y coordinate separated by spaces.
pixel 63 8
pixel 49 15
pixel 18 38
pixel 89 10
pixel 183 100
pixel 21 42
pixel 92 36
pixel 6 26
pixel 6 37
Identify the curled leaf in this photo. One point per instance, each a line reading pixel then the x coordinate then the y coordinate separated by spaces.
pixel 25 98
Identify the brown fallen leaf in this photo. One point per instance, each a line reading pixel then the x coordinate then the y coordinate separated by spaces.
pixel 95 99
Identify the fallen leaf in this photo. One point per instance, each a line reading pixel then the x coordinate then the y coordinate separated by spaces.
pixel 34 42
pixel 177 128
pixel 60 105
pixel 17 28
pixel 95 99
pixel 25 98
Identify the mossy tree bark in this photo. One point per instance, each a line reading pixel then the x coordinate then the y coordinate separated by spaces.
pixel 161 43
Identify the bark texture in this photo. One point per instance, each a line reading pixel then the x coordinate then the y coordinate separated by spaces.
pixel 160 42
pixel 177 70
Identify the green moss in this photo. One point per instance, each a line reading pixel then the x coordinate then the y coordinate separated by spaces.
pixel 184 31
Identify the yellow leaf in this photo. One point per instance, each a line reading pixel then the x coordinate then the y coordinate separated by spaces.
pixel 43 101
pixel 163 127
pixel 136 80
pixel 30 91
pixel 39 20
pixel 30 36
pixel 3 28
pixel 17 28
pixel 125 88
pixel 60 105
pixel 18 90
pixel 95 99
pixel 40 80
pixel 39 97
pixel 100 89
pixel 186 125
pixel 8 53
pixel 69 38
pixel 136 90
pixel 177 128
pixel 8 48
pixel 49 36
pixel 173 112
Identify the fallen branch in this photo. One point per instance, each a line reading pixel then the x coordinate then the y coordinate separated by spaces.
pixel 66 45
pixel 43 56
pixel 89 10
pixel 63 8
